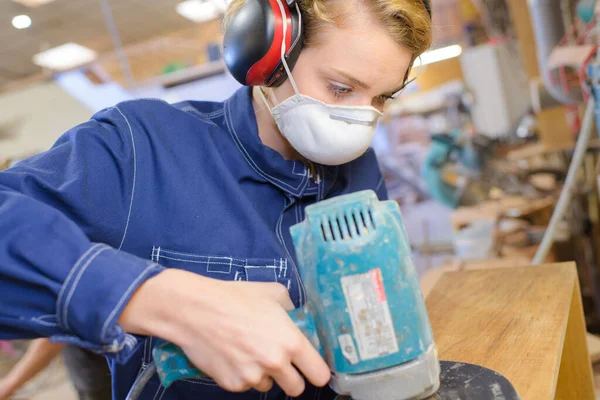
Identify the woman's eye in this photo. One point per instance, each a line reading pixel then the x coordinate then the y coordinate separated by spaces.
pixel 339 91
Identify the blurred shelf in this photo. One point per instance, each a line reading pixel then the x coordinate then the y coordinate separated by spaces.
pixel 191 74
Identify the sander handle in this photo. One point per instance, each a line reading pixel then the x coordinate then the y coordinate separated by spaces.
pixel 172 363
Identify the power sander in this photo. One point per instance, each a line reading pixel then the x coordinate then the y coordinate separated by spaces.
pixel 365 312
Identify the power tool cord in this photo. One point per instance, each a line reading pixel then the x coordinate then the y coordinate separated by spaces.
pixel 140 382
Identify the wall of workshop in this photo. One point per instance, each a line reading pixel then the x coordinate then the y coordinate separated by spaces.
pixel 31 119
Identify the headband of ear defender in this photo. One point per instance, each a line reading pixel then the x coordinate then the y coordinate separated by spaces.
pixel 253 38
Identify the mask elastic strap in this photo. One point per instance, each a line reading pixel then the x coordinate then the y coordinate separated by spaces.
pixel 285 65
pixel 264 99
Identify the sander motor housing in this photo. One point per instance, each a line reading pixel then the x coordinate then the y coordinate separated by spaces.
pixel 365 311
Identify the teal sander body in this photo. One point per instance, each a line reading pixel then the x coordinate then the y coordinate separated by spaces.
pixel 364 296
pixel 364 312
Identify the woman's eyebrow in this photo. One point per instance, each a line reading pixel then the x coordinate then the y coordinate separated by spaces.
pixel 357 82
pixel 351 79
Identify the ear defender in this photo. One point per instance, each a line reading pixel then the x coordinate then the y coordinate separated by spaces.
pixel 252 41
pixel 253 38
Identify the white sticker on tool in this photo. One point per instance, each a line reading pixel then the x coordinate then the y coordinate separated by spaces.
pixel 348 348
pixel 370 314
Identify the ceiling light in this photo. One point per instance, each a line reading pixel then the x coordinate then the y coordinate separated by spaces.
pixel 200 10
pixel 434 56
pixel 64 57
pixel 33 3
pixel 21 21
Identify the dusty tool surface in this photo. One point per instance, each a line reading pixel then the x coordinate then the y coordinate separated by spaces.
pixel 463 381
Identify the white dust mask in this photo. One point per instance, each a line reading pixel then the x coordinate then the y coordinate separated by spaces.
pixel 324 133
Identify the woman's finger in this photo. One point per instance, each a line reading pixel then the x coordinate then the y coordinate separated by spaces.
pixel 265 384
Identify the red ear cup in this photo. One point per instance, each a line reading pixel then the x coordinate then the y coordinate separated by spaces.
pixel 252 42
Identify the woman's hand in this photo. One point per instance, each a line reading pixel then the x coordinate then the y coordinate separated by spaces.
pixel 238 333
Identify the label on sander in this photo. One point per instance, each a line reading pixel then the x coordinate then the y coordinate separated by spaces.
pixel 370 314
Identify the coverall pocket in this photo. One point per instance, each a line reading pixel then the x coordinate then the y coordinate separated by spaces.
pixel 225 267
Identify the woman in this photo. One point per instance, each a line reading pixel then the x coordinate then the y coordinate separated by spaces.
pixel 171 221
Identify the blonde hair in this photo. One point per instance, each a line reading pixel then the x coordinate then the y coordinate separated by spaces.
pixel 407 21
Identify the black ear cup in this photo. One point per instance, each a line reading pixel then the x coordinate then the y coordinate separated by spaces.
pixel 252 42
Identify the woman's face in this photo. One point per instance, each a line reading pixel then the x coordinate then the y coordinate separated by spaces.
pixel 358 64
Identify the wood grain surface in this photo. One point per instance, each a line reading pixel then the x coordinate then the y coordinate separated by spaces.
pixel 515 322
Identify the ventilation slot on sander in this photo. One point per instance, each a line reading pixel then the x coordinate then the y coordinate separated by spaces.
pixel 350 224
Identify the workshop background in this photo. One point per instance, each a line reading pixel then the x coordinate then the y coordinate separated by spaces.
pixel 477 151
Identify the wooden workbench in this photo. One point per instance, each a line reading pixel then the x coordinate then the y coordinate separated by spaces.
pixel 525 323
pixel 492 209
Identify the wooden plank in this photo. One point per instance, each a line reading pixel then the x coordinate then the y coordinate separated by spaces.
pixel 554 130
pixel 492 209
pixel 575 379
pixel 540 149
pixel 512 320
pixel 431 277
